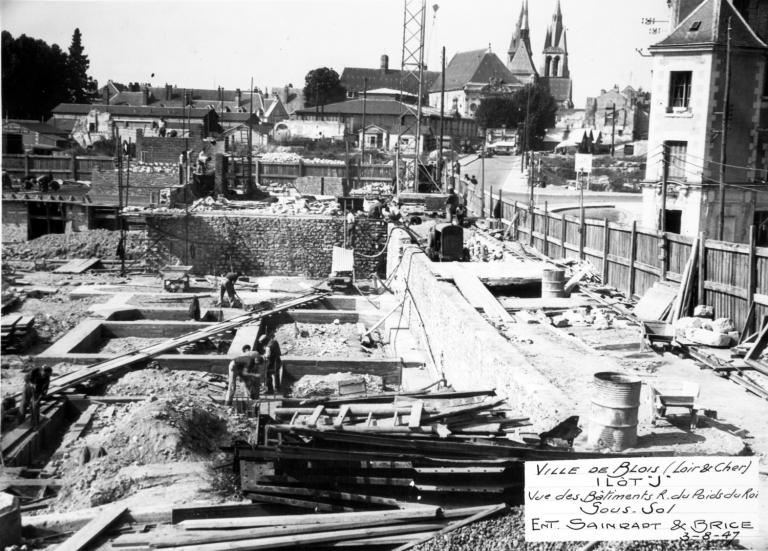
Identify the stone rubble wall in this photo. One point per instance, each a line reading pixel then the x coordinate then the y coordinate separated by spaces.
pixel 261 245
pixel 469 351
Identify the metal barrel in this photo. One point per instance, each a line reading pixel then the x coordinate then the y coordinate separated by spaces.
pixel 552 282
pixel 615 403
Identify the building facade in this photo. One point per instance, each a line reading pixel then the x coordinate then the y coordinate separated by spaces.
pixel 685 138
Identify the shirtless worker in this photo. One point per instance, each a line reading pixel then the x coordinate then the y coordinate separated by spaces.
pixel 227 287
pixel 243 368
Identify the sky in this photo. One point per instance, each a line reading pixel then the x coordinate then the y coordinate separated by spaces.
pixel 276 42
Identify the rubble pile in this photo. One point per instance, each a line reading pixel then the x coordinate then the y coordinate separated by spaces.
pixel 147 382
pixel 85 244
pixel 289 157
pixel 719 332
pixel 337 340
pixel 152 168
pixel 124 345
pixel 316 386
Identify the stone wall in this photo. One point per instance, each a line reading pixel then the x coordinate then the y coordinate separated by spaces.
pixel 265 245
pixel 15 221
pixel 471 353
pixel 154 149
pixel 138 186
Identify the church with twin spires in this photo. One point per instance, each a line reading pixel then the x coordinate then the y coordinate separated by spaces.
pixel 554 59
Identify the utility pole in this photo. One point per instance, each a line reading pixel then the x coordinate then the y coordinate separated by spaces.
pixel 724 131
pixel 613 130
pixel 530 177
pixel 442 122
pixel 362 141
pixel 482 179
pixel 120 219
pixel 249 172
pixel 664 176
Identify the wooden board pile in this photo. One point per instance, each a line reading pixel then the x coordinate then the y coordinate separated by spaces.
pixel 18 332
pixel 444 448
pixel 394 528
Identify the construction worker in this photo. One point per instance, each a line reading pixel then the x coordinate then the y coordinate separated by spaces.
pixel 273 362
pixel 244 368
pixel 227 287
pixel 28 396
pixel 162 127
pixel 41 388
pixel 451 203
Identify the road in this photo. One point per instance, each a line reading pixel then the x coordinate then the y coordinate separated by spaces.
pixel 503 172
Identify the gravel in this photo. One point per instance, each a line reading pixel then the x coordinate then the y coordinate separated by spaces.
pixel 87 244
pixel 507 532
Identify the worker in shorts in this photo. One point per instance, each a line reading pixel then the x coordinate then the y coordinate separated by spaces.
pixel 244 368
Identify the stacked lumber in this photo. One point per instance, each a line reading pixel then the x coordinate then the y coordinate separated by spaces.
pixel 396 527
pixel 442 448
pixel 18 332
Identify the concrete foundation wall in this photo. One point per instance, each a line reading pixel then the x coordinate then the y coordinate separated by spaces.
pixel 266 245
pixel 471 353
pixel 15 221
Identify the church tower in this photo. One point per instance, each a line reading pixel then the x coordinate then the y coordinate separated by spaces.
pixel 519 58
pixel 555 68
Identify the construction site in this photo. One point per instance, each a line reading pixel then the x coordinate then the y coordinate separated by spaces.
pixel 278 351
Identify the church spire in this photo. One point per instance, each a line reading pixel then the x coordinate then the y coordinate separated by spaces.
pixel 521 34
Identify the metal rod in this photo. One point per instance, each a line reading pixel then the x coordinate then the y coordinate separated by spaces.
pixel 442 121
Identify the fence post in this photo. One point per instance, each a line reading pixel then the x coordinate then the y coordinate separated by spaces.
pixel 546 228
pixel 751 279
pixel 256 170
pixel 606 249
pixel 701 291
pixel 490 203
pixel 73 166
pixel 26 165
pixel 301 167
pixel 632 256
pixel 582 235
pixel 515 221
pixel 663 255
pixel 563 234
pixel 533 224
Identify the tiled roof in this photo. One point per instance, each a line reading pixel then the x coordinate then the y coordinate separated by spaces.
pixel 352 78
pixel 473 66
pixel 129 110
pixel 383 106
pixel 39 127
pixel 708 24
pixel 522 62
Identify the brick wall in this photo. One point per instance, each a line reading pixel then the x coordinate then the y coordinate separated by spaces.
pixel 472 354
pixel 151 149
pixel 265 245
pixel 104 188
pixel 15 221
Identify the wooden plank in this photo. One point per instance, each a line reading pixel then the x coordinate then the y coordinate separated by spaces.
pixel 632 258
pixel 478 294
pixel 244 336
pixel 311 540
pixel 80 426
pixel 414 420
pixel 343 412
pixel 655 302
pixel 93 529
pixel 326 494
pixel 427 512
pixel 10 320
pixel 301 503
pixel 726 289
pixel 312 421
pixel 77 265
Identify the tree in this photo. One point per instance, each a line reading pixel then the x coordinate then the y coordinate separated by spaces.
pixel 533 99
pixel 322 86
pixel 79 83
pixel 34 77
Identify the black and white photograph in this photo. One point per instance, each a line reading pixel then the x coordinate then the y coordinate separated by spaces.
pixel 384 275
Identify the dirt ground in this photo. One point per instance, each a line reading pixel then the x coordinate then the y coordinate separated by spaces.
pixel 328 339
pixel 315 386
pixel 140 449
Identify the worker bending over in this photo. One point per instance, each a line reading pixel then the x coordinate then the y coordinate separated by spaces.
pixel 243 368
pixel 36 383
pixel 227 287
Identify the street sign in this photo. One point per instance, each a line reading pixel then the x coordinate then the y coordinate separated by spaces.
pixel 584 162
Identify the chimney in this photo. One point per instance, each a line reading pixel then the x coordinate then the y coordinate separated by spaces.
pixel 145 95
pixel 168 92
pixel 106 95
pixel 384 63
pixel 238 97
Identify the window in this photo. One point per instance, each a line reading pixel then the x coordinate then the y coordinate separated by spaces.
pixel 675 153
pixel 679 90
pixel 673 221
pixel 761 224
pixel 695 26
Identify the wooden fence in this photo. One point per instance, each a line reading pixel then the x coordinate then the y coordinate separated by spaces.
pixel 71 167
pixel 731 276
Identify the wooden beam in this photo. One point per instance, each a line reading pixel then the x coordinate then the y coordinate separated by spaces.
pixel 752 274
pixel 312 421
pixel 632 258
pixel 80 539
pixel 414 420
